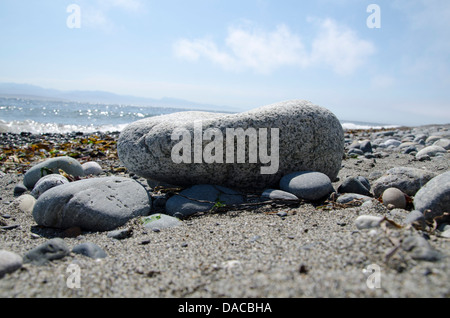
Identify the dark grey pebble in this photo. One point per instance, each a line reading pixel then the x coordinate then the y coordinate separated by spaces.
pixel 10 227
pixel 120 234
pixel 307 185
pixel 90 250
pixel 19 189
pixel 420 249
pixel 358 185
pixel 53 249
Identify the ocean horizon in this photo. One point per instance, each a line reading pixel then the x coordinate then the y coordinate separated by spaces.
pixel 42 116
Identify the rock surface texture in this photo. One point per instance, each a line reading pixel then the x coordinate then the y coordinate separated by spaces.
pixel 307 137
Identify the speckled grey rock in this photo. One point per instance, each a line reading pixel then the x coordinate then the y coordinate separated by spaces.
pixel 434 196
pixel 160 221
pixel 274 194
pixel 70 165
pixel 188 202
pixel 408 180
pixel 53 249
pixel 9 262
pixel 90 250
pixel 307 185
pixel 430 151
pixel 395 197
pixel 47 182
pixel 310 138
pixel 98 204
pixel 91 168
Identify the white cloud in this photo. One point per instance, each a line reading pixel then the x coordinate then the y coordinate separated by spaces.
pixel 95 14
pixel 255 49
pixel 340 48
pixel 193 50
pixel 263 52
pixel 266 51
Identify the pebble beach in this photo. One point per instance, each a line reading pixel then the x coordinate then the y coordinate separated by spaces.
pixel 273 248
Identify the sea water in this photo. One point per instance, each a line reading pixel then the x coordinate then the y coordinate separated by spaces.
pixel 46 116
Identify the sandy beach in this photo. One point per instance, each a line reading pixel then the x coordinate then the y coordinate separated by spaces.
pixel 311 250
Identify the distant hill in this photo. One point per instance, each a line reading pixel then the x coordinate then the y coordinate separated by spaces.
pixel 101 97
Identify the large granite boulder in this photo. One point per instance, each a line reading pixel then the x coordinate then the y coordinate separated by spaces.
pixel 190 148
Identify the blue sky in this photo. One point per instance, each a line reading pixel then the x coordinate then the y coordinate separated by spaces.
pixel 243 54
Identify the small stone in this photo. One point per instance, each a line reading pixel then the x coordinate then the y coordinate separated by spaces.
pixel 255 238
pixel 408 180
pixel 355 151
pixel 10 227
pixel 410 150
pixel 430 151
pixel 420 249
pixel 202 198
pixel 25 203
pixel 432 139
pixel 47 182
pixel 19 189
pixel 444 143
pixel 348 197
pixel 52 249
pixel 160 221
pixel 282 213
pixel 395 197
pixel 120 234
pixel 367 221
pixel 92 168
pixel 366 146
pixel 273 194
pixel 69 165
pixel 90 250
pixel 358 185
pixel 9 262
pixel 307 185
pixel 392 142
